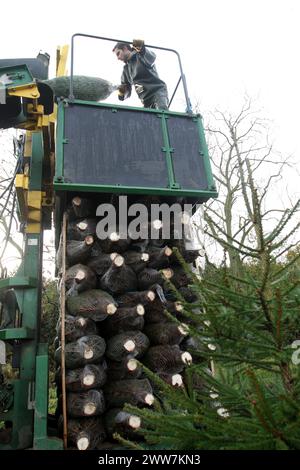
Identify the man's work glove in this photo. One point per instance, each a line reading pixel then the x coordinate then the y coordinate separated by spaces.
pixel 122 92
pixel 138 44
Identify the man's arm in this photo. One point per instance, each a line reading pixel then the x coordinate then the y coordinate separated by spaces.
pixel 148 56
pixel 125 88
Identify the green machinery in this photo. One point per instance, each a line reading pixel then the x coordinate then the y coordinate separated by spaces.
pixel 99 148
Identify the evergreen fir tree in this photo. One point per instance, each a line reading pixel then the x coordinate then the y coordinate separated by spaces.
pixel 243 389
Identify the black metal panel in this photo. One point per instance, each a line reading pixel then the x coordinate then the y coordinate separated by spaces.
pixel 188 163
pixel 108 146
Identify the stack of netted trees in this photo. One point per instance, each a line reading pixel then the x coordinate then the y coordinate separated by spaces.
pixel 116 296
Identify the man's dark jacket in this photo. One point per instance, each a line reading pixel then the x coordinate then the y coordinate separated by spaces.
pixel 140 71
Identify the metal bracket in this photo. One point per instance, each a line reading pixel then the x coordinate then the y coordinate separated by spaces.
pixel 25 91
pixel 47 201
pixel 169 149
pixel 60 179
pixel 16 333
pixel 175 186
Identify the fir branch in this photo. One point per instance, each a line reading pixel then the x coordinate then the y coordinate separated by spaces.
pixel 263 402
pixel 125 442
pixel 281 242
pixel 279 320
pixel 170 391
pixel 229 291
pixel 229 246
pixel 290 289
pixel 288 214
pixel 288 265
pixel 252 283
pixel 233 239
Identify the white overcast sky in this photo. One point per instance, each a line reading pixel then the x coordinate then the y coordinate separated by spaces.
pixel 227 47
